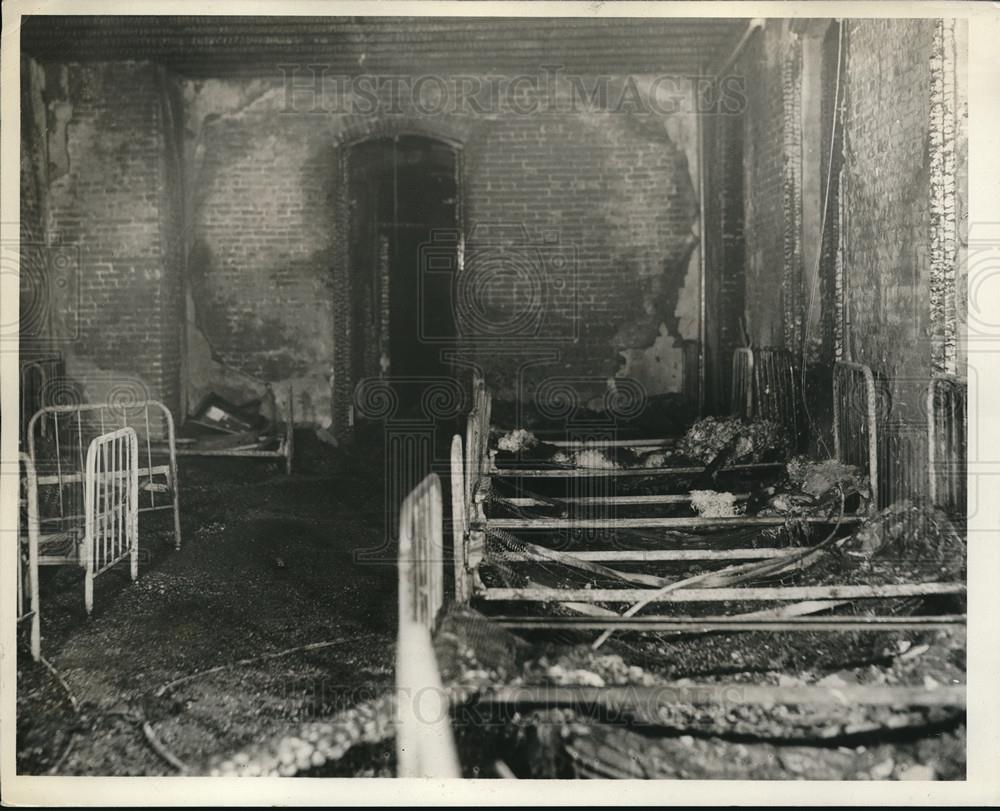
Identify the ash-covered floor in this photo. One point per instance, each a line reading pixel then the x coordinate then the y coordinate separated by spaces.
pixel 264 628
pixel 267 565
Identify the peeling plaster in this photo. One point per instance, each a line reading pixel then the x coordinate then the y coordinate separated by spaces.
pixel 60 114
pixel 651 348
pixel 207 104
pixel 669 298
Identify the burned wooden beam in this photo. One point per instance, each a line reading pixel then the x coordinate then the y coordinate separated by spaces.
pixel 652 697
pixel 712 595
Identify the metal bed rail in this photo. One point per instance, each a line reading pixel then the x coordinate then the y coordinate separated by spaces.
pixel 741 390
pixel 425 744
pixel 855 431
pixel 421 554
pixel 28 608
pixel 111 531
pixel 776 390
pixel 60 457
pixel 947 442
pixel 37 375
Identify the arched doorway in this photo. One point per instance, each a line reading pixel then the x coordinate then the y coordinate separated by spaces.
pixel 403 253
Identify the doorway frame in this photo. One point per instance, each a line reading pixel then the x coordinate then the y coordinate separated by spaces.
pixel 342 383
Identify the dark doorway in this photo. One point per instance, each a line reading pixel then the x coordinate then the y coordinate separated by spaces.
pixel 403 249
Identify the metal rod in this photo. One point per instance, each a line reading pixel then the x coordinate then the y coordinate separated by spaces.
pixel 662 555
pixel 679 498
pixel 655 523
pixel 581 472
pixel 752 26
pixel 653 442
pixel 702 245
pixel 655 623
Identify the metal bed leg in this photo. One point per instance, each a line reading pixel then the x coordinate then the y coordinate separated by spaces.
pixel 290 433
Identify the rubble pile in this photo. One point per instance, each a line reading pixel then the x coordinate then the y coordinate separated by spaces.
pixel 755 440
pixel 743 441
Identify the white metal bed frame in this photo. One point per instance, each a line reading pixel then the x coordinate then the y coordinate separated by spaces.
pixel 425 738
pixel 947 438
pixel 470 478
pixel 285 450
pixel 157 471
pixel 855 425
pixel 111 525
pixel 425 745
pixel 28 604
pixel 107 531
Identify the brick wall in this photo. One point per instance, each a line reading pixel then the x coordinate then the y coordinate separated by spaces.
pixel 34 301
pixel 608 197
pixel 764 190
pixel 725 282
pixel 896 253
pixel 886 193
pixel 108 202
pixel 886 228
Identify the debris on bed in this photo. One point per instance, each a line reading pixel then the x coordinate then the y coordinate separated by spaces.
pixel 517 440
pixel 534 705
pixel 731 440
pixel 755 440
pixel 814 488
pixel 521 445
pixel 907 541
pixel 713 504
pixel 664 415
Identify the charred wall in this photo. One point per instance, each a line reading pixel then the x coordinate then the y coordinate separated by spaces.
pixel 210 218
pixel 888 291
pixel 98 208
pixel 586 219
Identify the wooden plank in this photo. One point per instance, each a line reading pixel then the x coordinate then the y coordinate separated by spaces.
pixel 746 594
pixel 588 609
pixel 743 622
pixel 649 698
pixel 540 553
pixel 661 555
pixel 660 523
pixel 678 498
pixel 587 472
pixel 703 580
pixel 792 610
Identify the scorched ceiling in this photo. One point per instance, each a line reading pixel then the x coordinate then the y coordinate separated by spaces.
pixel 233 46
